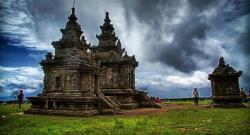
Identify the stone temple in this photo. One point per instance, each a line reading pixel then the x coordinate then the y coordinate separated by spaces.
pixel 225 86
pixel 84 80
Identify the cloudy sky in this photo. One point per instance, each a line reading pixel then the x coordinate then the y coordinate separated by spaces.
pixel 177 42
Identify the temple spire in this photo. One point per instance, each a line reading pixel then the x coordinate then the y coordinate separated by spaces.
pixel 107 20
pixel 221 62
pixel 73 10
pixel 72 32
pixel 72 17
pixel 107 36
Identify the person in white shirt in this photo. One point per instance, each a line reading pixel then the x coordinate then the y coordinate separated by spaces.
pixel 195 96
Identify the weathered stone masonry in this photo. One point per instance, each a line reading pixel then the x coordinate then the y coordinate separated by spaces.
pixel 85 80
pixel 225 86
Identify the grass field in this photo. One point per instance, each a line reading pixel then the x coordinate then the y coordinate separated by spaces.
pixel 202 102
pixel 174 121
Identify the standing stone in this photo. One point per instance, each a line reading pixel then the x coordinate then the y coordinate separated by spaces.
pixel 225 85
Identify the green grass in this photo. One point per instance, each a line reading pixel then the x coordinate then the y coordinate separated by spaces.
pixel 181 121
pixel 201 102
pixel 12 108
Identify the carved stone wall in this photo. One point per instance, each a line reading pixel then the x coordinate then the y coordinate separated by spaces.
pixel 225 85
pixel 61 80
pixel 127 76
pixel 87 83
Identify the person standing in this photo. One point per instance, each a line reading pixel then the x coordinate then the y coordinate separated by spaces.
pixel 196 96
pixel 20 98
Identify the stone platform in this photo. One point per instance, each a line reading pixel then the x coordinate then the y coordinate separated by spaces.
pixel 227 101
pixel 72 106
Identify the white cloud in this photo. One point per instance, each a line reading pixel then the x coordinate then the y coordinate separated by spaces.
pixel 13 78
pixel 18 25
pixel 32 71
pixel 171 83
pixel 197 79
pixel 133 38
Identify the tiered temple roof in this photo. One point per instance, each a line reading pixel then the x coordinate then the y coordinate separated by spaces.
pixel 111 45
pixel 223 70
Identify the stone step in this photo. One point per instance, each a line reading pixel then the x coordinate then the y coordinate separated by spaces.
pixel 111 101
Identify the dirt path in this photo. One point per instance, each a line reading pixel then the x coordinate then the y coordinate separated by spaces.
pixel 143 111
pixel 165 108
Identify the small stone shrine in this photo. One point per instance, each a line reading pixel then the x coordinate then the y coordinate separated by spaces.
pixel 85 80
pixel 225 86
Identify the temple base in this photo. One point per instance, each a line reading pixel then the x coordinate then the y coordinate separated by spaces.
pixel 71 106
pixel 84 113
pixel 110 101
pixel 227 101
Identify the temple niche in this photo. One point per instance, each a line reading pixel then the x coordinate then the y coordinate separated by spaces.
pixel 83 80
pixel 225 85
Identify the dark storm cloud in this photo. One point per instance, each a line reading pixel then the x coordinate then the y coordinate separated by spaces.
pixel 46 12
pixel 52 15
pixel 183 51
pixel 35 24
pixel 202 4
pixel 187 35
pixel 245 40
pixel 242 8
pixel 239 8
pixel 180 51
pixel 1 89
pixel 245 48
pixel 150 11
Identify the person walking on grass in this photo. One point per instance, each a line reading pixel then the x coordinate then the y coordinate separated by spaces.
pixel 20 98
pixel 195 95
